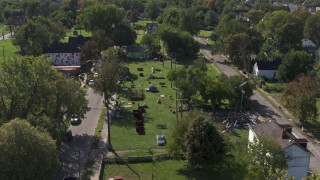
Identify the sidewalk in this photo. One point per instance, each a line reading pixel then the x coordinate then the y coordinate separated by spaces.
pixel 102 152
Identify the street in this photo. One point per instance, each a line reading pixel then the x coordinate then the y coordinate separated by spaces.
pixel 6 36
pixel 77 151
pixel 262 104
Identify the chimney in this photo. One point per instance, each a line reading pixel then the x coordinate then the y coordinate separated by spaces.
pixel 284 134
pixel 302 142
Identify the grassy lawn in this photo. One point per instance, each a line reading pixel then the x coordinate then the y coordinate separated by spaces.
pixel 3 29
pixel 9 49
pixel 205 33
pixel 143 22
pixel 70 33
pixel 168 169
pixel 123 132
pixel 97 134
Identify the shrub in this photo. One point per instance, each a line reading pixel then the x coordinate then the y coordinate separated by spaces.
pixel 137 95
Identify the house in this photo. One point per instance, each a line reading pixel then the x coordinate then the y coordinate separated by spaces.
pixel 309 46
pixel 267 69
pixel 138 53
pixel 298 156
pixel 151 27
pixel 66 56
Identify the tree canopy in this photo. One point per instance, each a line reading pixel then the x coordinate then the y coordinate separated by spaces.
pixel 36 35
pixel 301 95
pixel 30 87
pixel 26 152
pixel 293 64
pixel 283 29
pixel 311 28
pixel 266 158
pixel 203 143
pixel 102 17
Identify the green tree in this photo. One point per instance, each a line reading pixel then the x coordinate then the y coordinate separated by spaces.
pixel 36 35
pixel 293 64
pixel 26 152
pixel 89 51
pixel 152 42
pixel 203 143
pixel 266 157
pixel 123 35
pixel 36 89
pixel 311 28
pixel 283 28
pixel 152 9
pixel 255 15
pixel 109 76
pixel 180 42
pixel 102 17
pixel 179 130
pixel 185 20
pixel 211 18
pixel 102 40
pixel 301 95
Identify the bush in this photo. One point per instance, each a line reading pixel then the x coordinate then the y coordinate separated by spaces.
pixel 137 95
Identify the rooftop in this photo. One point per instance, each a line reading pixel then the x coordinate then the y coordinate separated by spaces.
pixel 281 133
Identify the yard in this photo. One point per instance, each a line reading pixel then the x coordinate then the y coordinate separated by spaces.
pixel 3 29
pixel 9 49
pixel 158 117
pixel 205 33
pixel 177 169
pixel 167 169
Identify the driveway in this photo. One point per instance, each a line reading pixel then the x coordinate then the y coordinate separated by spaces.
pixel 77 151
pixel 262 104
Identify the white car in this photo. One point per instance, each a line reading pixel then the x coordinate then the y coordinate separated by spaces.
pixel 91 82
pixel 95 75
pixel 161 141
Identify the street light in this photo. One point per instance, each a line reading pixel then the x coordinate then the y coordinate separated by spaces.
pixel 242 93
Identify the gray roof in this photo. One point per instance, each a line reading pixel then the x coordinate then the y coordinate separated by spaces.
pixel 275 131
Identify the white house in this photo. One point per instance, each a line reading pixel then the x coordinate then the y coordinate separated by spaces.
pixel 267 69
pixel 295 149
pixel 66 56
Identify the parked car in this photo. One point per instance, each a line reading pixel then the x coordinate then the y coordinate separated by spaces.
pixel 91 82
pixel 95 75
pixel 161 141
pixel 75 120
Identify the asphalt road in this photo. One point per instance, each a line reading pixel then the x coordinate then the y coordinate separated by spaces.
pixel 262 104
pixel 79 148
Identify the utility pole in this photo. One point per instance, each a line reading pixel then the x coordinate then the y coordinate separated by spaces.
pixel 108 125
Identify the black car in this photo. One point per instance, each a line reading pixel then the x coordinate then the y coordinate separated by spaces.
pixel 75 120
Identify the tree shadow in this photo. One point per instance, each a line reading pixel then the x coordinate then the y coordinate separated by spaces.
pixel 73 156
pixel 314 128
pixel 264 110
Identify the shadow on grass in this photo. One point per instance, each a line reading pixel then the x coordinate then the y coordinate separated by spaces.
pixel 127 119
pixel 230 170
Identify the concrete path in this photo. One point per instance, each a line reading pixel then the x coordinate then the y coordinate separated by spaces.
pixel 261 103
